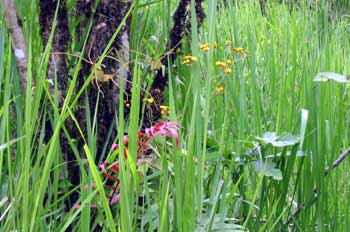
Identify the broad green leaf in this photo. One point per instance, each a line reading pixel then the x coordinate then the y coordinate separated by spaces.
pixel 331 76
pixel 268 169
pixel 283 140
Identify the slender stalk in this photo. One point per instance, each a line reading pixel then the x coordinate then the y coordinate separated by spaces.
pixel 18 42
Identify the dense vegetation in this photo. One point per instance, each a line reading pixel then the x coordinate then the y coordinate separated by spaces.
pixel 255 118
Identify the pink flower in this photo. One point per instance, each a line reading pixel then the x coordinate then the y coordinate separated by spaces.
pixel 114 200
pixel 103 166
pixel 167 129
pixel 114 146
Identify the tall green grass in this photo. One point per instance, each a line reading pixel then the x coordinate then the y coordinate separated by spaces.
pixel 211 182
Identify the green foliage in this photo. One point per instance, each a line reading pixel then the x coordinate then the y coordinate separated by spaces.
pixel 246 159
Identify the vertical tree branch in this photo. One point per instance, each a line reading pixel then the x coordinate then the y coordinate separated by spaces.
pixel 57 62
pixel 182 24
pixel 101 96
pixel 122 45
pixel 57 73
pixel 263 7
pixel 18 42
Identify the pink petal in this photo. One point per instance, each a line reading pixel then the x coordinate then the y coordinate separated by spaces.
pixel 103 166
pixel 148 132
pixel 164 128
pixel 114 146
pixel 126 140
pixel 173 132
pixel 114 200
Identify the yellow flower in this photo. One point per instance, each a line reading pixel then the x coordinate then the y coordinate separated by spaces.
pixel 149 100
pixel 163 107
pixel 205 47
pixel 238 49
pixel 219 89
pixel 228 62
pixel 228 43
pixel 189 59
pixel 228 71
pixel 215 45
pixel 220 64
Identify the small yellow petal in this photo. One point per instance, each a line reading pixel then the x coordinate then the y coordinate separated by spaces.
pixel 228 62
pixel 149 100
pixel 204 46
pixel 219 89
pixel 163 107
pixel 205 49
pixel 238 49
pixel 228 71
pixel 220 64
pixel 188 59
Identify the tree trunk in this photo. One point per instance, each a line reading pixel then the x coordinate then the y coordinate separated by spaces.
pixel 181 27
pixel 18 43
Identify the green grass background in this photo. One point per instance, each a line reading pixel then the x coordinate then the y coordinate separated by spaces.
pixel 211 182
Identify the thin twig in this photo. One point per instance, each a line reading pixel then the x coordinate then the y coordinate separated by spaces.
pixel 338 161
pixel 18 42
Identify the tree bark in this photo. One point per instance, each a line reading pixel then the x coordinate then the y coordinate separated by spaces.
pixel 105 95
pixel 182 25
pixel 57 67
pixel 18 43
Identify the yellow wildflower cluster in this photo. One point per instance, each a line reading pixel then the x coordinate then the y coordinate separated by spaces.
pixel 220 64
pixel 149 100
pixel 164 109
pixel 189 59
pixel 205 47
pixel 219 89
